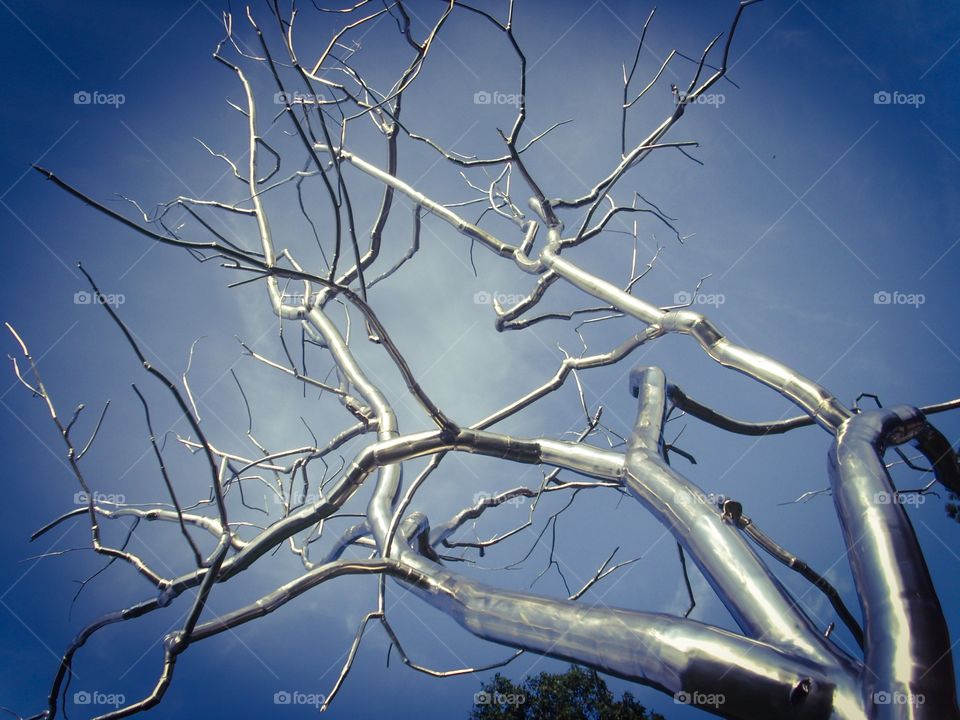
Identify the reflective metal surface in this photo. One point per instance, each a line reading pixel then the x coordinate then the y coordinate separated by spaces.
pixel 907 649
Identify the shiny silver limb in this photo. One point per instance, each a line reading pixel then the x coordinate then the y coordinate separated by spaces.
pixel 907 646
pixel 759 604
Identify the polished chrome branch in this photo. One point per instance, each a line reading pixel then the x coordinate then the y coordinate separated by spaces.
pixel 675 655
pixel 444 213
pixel 759 604
pixel 908 663
pixel 810 396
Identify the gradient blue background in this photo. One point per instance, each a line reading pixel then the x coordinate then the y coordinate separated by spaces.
pixel 812 199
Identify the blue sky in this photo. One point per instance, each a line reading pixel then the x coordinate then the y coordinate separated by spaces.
pixel 813 197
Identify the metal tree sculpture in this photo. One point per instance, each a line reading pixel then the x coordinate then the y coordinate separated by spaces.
pixel 781 665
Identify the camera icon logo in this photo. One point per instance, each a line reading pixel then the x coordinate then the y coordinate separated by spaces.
pixel 482 97
pixel 81 697
pixel 82 297
pixel 281 697
pixel 682 298
pixel 482 297
pixel 82 97
pixel 882 298
pixel 882 98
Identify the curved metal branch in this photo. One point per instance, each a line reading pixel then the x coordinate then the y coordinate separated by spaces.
pixel 759 604
pixel 907 646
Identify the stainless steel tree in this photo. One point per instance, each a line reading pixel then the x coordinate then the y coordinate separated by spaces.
pixel 780 664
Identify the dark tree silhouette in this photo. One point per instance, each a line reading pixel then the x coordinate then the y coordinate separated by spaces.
pixel 574 695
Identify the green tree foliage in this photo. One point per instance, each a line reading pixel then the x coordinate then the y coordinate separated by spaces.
pixel 577 694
